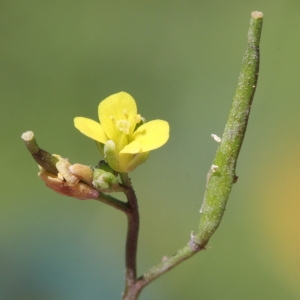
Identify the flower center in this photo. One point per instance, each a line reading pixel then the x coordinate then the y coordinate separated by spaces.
pixel 123 126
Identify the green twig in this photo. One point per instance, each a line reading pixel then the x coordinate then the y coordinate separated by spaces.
pixel 222 173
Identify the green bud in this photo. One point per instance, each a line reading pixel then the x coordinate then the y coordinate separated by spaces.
pixel 105 179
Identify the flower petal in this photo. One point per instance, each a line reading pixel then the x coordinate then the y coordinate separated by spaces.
pixel 149 136
pixel 90 128
pixel 132 148
pixel 120 106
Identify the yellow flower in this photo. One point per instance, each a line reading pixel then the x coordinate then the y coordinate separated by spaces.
pixel 124 137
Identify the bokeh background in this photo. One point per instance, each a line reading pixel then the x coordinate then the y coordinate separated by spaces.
pixel 180 60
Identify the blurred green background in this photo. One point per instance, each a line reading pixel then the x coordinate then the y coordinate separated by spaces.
pixel 180 60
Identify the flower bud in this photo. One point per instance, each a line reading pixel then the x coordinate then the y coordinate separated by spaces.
pixel 83 172
pixel 68 183
pixel 105 179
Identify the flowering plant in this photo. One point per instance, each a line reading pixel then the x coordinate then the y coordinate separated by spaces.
pixel 125 140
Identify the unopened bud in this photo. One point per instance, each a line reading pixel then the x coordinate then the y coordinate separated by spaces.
pixel 105 180
pixel 83 172
pixel 68 183
pixel 80 190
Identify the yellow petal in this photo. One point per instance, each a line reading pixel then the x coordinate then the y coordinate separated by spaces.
pixel 90 128
pixel 120 106
pixel 149 136
pixel 132 148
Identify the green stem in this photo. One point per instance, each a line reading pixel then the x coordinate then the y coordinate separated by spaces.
pixel 222 173
pixel 113 202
